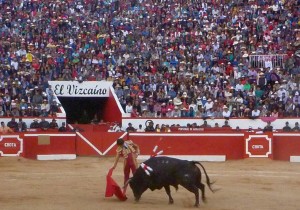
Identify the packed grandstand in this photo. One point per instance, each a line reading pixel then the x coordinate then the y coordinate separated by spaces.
pixel 166 58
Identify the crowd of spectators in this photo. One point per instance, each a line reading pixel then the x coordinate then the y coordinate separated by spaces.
pixel 166 58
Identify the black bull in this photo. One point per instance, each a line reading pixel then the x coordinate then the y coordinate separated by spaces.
pixel 169 172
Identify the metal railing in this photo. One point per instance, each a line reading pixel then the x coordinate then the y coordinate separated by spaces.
pixel 264 61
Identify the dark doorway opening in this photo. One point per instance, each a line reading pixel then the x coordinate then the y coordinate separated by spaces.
pixel 82 110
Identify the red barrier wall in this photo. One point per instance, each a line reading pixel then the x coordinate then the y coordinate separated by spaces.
pixel 87 143
pixel 102 141
pixel 286 145
pixel 59 144
pixel 230 145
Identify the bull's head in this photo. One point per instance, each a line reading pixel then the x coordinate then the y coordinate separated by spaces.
pixel 138 185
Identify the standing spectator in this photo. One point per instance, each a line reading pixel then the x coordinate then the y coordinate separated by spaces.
pixel 226 124
pixel 12 124
pixel 296 128
pixel 287 128
pixel 44 125
pixel 22 125
pixel 62 128
pixel 53 124
pixel 35 124
pixel 268 127
pixel 140 129
pixel 130 128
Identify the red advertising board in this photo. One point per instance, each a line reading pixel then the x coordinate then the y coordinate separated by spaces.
pixel 258 146
pixel 11 145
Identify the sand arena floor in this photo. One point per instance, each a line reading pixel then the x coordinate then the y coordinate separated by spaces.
pixel 251 184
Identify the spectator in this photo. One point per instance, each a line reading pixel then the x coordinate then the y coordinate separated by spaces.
pixel 255 113
pixel 296 128
pixel 21 128
pixel 226 124
pixel 2 113
pixel 5 129
pixel 35 123
pixel 226 113
pixel 130 128
pixel 205 125
pixel 22 125
pixel 128 108
pixel 12 124
pixel 140 129
pixel 150 127
pixel 44 124
pixel 53 124
pixel 287 128
pixel 268 127
pixel 62 128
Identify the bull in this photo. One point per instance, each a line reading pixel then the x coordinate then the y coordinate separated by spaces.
pixel 166 172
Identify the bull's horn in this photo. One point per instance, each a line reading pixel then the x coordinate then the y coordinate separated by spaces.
pixel 127 182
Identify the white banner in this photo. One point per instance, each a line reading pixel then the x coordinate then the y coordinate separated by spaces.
pixel 81 89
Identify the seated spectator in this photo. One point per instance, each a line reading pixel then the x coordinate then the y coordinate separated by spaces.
pixel 234 113
pixel 12 124
pixel 226 124
pixel 62 128
pixel 296 128
pixel 176 112
pixel 226 113
pixel 44 113
pixel 128 108
pixel 255 113
pixel 54 108
pixel 35 124
pixel 287 128
pixel 2 113
pixel 217 125
pixel 53 124
pixel 5 129
pixel 44 124
pixel 130 128
pixel 210 113
pixel 268 127
pixel 15 112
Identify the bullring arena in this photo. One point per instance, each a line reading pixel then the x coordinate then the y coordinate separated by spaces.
pixel 80 184
pixel 215 81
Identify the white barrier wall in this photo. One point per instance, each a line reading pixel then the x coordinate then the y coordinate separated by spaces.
pixel 242 123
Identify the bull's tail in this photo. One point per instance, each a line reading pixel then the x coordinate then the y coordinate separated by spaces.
pixel 209 184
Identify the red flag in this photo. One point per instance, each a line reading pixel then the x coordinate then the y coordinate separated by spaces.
pixel 112 188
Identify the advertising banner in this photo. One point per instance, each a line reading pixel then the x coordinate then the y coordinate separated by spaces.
pixel 81 89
